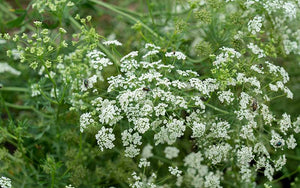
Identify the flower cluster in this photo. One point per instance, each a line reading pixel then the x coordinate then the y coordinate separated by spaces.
pixel 147 95
pixel 5 182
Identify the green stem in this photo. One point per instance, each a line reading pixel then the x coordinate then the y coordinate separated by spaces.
pixel 80 146
pixel 217 109
pixel 164 179
pixel 109 54
pixel 7 12
pixel 44 95
pixel 20 107
pixel 286 176
pixel 78 26
pixel 53 82
pixel 52 179
pixel 20 89
pixel 5 107
pixel 112 8
pixel 150 12
pixel 277 97
pixel 293 157
pixel 162 159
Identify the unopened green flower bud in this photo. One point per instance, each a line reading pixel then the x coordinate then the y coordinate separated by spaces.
pixel 33 65
pixel 48 64
pixel 37 23
pixel 62 30
pixel 45 32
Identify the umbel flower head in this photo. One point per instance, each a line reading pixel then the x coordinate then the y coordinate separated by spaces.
pixel 151 93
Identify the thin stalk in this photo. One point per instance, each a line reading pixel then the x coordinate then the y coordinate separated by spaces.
pixel 293 157
pixel 5 107
pixel 52 179
pixel 150 12
pixel 286 176
pixel 277 97
pixel 20 107
pixel 162 159
pixel 20 89
pixel 78 26
pixel 6 10
pixel 112 8
pixel 128 11
pixel 217 109
pixel 117 62
pixel 53 82
pixel 44 95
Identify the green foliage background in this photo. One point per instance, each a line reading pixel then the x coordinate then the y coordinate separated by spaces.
pixel 41 145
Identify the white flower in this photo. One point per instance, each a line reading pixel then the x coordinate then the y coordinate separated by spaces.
pixel 5 182
pixel 169 133
pixel 147 151
pixel 160 109
pixel 131 141
pixel 259 148
pixel 219 129
pixel 255 25
pixel 291 142
pixel 225 96
pixel 178 55
pixel 150 53
pixel 246 174
pixel 88 83
pixel 244 156
pixel 144 163
pixel 269 171
pixel 175 171
pixel 141 124
pixel 85 120
pixel 171 152
pixel 273 87
pixel 256 50
pixel 69 186
pixel 16 54
pixel 285 123
pixel 2 41
pixel 217 153
pixel 35 91
pixel 277 141
pixel 245 100
pixel 109 113
pixel 296 125
pixel 4 67
pixel 280 163
pixel 267 116
pixel 226 55
pixel 131 151
pixel 198 129
pixel 193 160
pixel 97 59
pixel 105 138
pixel 130 55
pixel 256 68
pixel 112 42
pixel 212 180
pixel 152 46
pixel 290 10
pixel 289 46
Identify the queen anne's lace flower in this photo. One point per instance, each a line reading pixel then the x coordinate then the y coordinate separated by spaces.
pixel 171 152
pixel 85 120
pixel 175 171
pixel 254 26
pixel 105 138
pixel 5 182
pixel 178 55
